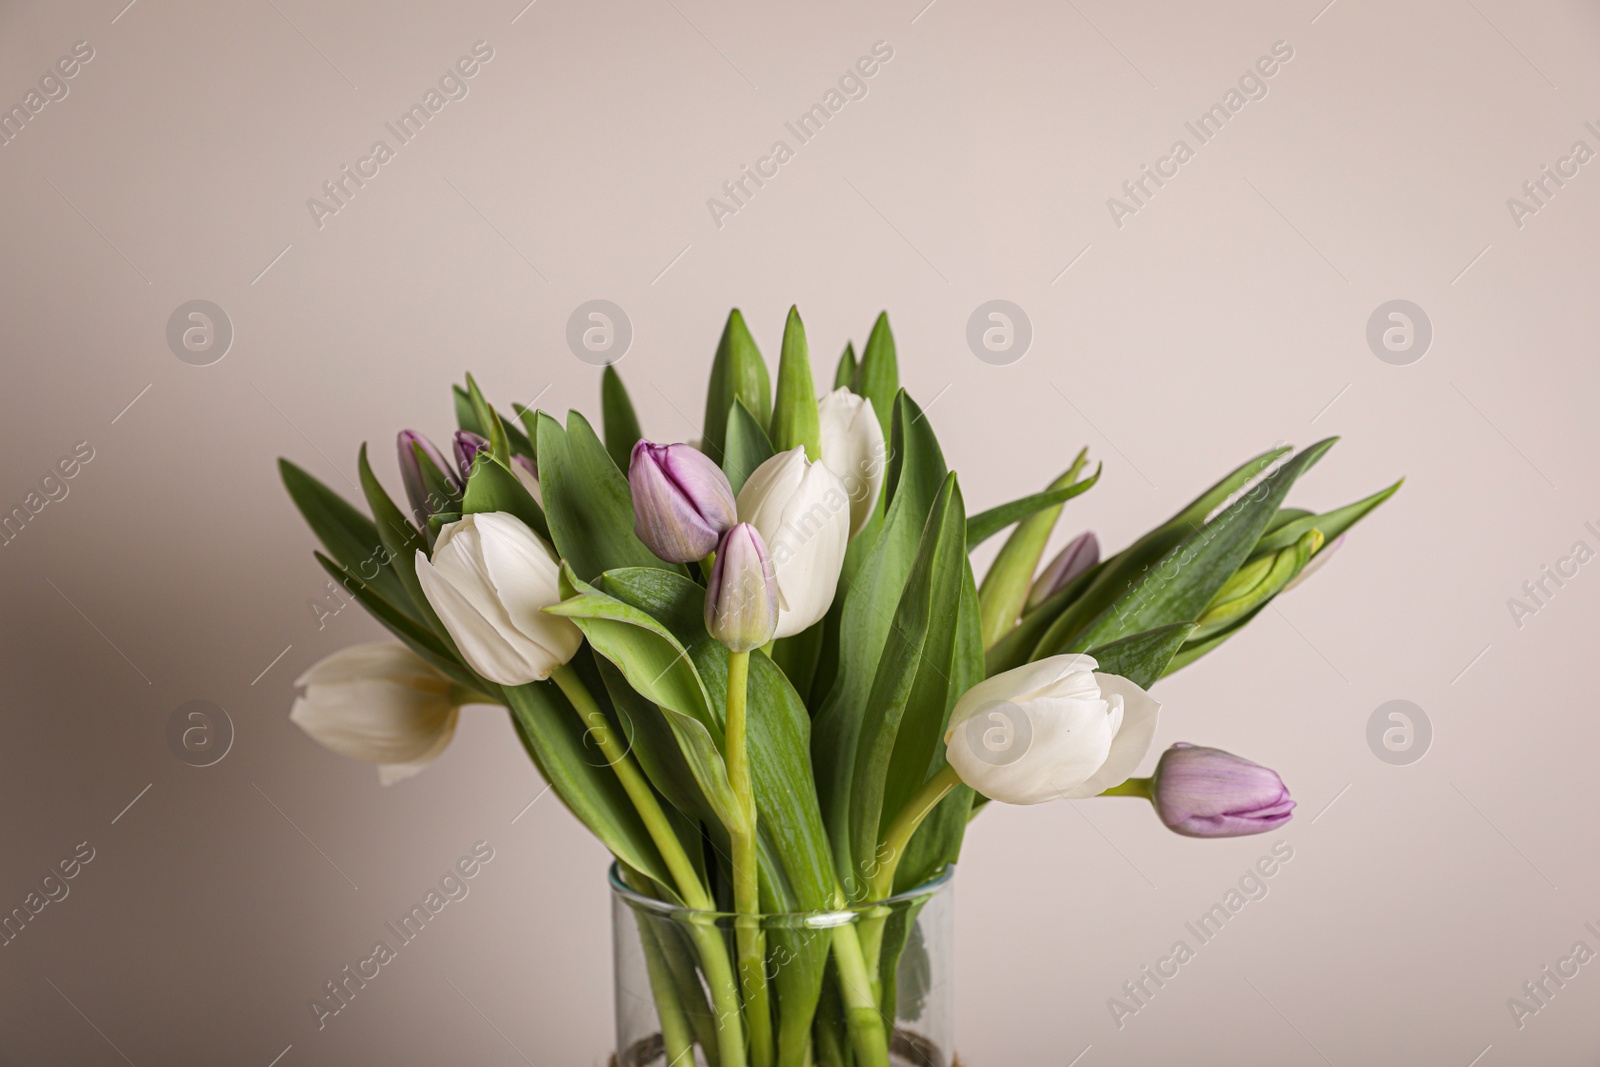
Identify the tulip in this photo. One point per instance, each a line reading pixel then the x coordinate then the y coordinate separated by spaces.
pixel 415 450
pixel 1316 563
pixel 379 703
pixel 852 448
pixel 1206 792
pixel 741 595
pixel 1053 728
pixel 467 447
pixel 469 444
pixel 1081 553
pixel 802 512
pixel 682 501
pixel 489 581
pixel 527 473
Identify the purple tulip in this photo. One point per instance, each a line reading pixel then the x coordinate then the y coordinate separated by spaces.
pixel 682 501
pixel 468 445
pixel 1206 792
pixel 415 450
pixel 1081 553
pixel 742 592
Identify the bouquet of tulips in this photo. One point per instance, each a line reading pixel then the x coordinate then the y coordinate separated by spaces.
pixel 775 639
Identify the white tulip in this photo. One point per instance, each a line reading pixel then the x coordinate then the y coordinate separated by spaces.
pixel 379 703
pixel 489 582
pixel 1055 728
pixel 802 512
pixel 853 448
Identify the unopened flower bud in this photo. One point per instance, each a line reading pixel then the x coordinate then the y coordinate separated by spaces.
pixel 1206 792
pixel 1081 553
pixel 421 463
pixel 682 501
pixel 741 594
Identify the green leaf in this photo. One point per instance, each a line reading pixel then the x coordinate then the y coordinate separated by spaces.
pixel 587 504
pixel 1193 650
pixel 747 446
pixel 846 370
pixel 937 842
pixel 795 421
pixel 911 693
pixel 492 487
pixel 986 524
pixel 352 540
pixel 499 443
pixel 400 539
pixel 1331 523
pixel 1005 587
pixel 617 418
pixel 1179 585
pixel 467 419
pixel 738 371
pixel 789 822
pixel 1233 604
pixel 1143 657
pixel 864 620
pixel 659 669
pixel 878 377
pixel 653 661
pixel 554 734
pixel 411 633
pixel 1116 575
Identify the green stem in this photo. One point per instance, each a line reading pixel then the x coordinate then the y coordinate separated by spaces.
pixel 676 1035
pixel 890 852
pixel 1133 787
pixel 856 989
pixel 713 954
pixel 748 934
pixel 905 825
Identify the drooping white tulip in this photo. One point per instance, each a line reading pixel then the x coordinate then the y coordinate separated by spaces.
pixel 489 581
pixel 853 448
pixel 379 703
pixel 802 512
pixel 1051 729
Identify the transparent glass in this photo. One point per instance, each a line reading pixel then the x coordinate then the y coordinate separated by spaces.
pixel 866 986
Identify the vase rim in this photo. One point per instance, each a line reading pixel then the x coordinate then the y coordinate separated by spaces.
pixel 822 919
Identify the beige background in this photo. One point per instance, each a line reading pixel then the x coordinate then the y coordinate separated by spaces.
pixel 1227 315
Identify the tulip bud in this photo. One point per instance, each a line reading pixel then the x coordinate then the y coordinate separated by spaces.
pixel 802 512
pixel 527 472
pixel 1316 562
pixel 1081 553
pixel 741 596
pixel 853 448
pixel 682 501
pixel 379 703
pixel 489 581
pixel 467 446
pixel 423 483
pixel 1206 792
pixel 1048 729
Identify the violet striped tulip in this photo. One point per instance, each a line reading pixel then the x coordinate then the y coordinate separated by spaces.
pixel 1081 553
pixel 682 501
pixel 741 594
pixel 1206 792
pixel 415 450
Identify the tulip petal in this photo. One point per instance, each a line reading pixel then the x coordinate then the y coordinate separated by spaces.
pixel 1021 683
pixel 527 580
pixel 480 642
pixel 1140 712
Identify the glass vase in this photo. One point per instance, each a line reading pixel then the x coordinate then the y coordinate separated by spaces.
pixel 864 986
